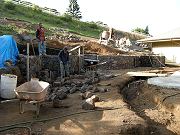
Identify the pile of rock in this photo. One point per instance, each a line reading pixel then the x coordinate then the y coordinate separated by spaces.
pixel 61 88
pixel 68 37
pixel 71 85
pixel 125 44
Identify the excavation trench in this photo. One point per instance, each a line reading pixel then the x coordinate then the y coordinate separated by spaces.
pixel 141 99
pixel 136 112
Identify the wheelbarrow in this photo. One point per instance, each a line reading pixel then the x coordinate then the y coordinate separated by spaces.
pixel 33 92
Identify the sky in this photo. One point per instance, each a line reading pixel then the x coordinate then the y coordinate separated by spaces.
pixel 159 15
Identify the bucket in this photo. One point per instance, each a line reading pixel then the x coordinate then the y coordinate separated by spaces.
pixel 8 85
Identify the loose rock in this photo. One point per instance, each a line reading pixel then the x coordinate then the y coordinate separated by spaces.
pixel 88 94
pixel 78 83
pixel 82 96
pixel 88 104
pixel 102 90
pixel 95 80
pixel 95 98
pixel 57 84
pixel 84 88
pixel 57 103
pixel 65 89
pixel 61 95
pixel 51 97
pixel 88 81
pixel 90 87
pixel 95 89
pixel 73 90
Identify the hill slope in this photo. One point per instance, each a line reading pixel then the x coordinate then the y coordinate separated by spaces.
pixel 51 22
pixel 35 16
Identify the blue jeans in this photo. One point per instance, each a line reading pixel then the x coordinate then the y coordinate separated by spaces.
pixel 64 69
pixel 41 48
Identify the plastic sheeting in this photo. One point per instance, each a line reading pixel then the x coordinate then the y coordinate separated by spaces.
pixel 172 81
pixel 8 49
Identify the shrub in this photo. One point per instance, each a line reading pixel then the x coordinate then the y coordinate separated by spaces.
pixel 93 25
pixel 67 18
pixel 36 8
pixel 9 5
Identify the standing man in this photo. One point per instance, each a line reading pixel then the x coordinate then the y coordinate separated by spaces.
pixel 64 62
pixel 41 39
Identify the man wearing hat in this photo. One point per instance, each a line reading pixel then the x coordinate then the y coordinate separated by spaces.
pixel 64 62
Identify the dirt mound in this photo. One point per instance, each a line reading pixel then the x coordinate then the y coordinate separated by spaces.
pixel 94 47
pixel 89 47
pixel 55 44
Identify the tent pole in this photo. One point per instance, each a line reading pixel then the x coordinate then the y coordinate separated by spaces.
pixel 27 61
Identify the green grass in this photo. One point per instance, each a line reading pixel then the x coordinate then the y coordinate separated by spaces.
pixel 6 30
pixel 35 16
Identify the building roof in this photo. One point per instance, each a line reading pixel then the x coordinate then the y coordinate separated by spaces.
pixel 173 35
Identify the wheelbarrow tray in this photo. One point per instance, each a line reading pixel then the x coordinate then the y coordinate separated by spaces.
pixel 33 90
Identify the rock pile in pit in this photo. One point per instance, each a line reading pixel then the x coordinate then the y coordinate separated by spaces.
pixel 86 84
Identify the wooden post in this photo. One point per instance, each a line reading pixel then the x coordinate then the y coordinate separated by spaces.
pixel 79 55
pixel 83 50
pixel 27 61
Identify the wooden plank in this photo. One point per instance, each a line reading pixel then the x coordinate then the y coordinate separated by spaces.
pixel 145 74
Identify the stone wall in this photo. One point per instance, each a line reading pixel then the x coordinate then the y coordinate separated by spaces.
pixel 48 66
pixel 150 61
pixel 116 62
pixel 128 62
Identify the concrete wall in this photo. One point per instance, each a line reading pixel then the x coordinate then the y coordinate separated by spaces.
pixel 169 49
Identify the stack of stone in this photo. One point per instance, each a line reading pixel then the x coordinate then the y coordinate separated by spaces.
pixel 85 84
pixel 65 36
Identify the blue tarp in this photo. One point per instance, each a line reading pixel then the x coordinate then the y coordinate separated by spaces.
pixel 8 49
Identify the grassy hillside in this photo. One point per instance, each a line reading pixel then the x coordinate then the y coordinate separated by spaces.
pixel 50 21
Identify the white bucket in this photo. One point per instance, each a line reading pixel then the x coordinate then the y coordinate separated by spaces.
pixel 8 85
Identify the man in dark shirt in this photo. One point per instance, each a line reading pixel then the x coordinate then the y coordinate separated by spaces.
pixel 64 62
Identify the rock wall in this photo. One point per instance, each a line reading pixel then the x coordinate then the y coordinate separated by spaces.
pixel 116 62
pixel 47 67
pixel 150 61
pixel 128 62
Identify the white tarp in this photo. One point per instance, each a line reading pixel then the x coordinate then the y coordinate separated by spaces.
pixel 172 81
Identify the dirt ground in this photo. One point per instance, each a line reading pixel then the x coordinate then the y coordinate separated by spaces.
pixel 115 114
pixel 167 103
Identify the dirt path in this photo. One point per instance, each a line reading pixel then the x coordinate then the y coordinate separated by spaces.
pixel 122 121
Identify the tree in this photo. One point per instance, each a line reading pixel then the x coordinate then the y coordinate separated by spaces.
pixel 146 30
pixel 140 30
pixel 74 9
